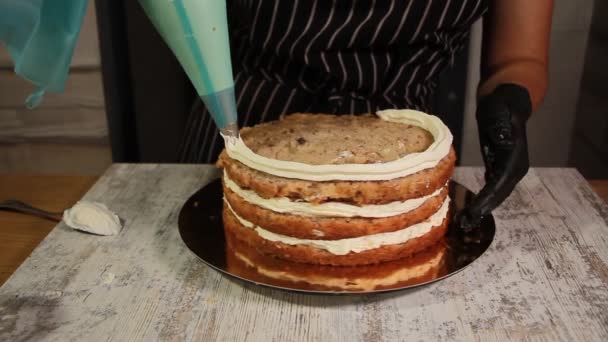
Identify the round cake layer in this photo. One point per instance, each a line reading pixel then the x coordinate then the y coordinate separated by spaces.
pixel 403 166
pixel 330 228
pixel 417 185
pixel 245 261
pixel 313 255
pixel 320 139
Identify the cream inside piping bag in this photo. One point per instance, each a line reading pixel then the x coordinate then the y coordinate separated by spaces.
pixel 197 33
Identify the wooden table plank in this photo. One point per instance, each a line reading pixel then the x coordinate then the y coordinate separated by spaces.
pixel 600 187
pixel 544 278
pixel 20 234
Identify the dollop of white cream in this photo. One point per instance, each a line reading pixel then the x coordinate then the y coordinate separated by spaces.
pixel 357 244
pixel 327 209
pixel 92 217
pixel 401 167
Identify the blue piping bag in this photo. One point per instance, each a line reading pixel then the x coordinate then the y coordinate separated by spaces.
pixel 40 36
pixel 197 33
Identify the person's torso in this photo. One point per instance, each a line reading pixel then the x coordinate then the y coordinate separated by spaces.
pixel 386 51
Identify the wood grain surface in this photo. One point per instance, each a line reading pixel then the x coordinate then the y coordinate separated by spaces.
pixel 55 158
pixel 600 186
pixel 544 278
pixel 20 234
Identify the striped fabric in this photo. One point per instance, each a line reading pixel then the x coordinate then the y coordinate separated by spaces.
pixel 333 56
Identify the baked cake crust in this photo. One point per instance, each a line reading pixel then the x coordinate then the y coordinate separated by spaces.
pixel 319 139
pixel 419 184
pixel 330 228
pixel 312 255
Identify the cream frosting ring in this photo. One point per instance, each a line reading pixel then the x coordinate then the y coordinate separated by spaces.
pixel 327 209
pixel 401 167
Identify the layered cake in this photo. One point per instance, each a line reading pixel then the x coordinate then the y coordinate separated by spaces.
pixel 339 190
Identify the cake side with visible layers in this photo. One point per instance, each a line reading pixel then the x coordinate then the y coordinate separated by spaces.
pixel 357 192
pixel 310 254
pixel 337 222
pixel 332 227
pixel 245 261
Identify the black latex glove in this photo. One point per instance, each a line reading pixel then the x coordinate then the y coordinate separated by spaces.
pixel 501 121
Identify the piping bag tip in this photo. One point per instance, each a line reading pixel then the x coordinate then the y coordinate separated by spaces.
pixel 230 133
pixel 34 99
pixel 222 107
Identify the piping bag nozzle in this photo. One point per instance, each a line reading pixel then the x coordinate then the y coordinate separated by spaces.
pixel 230 133
pixel 222 107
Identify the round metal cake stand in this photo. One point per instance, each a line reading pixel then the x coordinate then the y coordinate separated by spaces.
pixel 201 229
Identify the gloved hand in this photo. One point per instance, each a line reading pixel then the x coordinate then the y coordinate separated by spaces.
pixel 501 122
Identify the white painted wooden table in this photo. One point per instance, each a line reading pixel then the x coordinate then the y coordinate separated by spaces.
pixel 544 278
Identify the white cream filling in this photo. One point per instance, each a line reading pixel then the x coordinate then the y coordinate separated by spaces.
pixel 328 209
pixel 401 167
pixel 358 244
pixel 364 284
pixel 92 217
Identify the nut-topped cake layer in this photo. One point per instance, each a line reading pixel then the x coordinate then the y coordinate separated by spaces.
pixel 319 139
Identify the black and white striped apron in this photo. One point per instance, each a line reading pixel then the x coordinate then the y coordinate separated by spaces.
pixel 333 56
